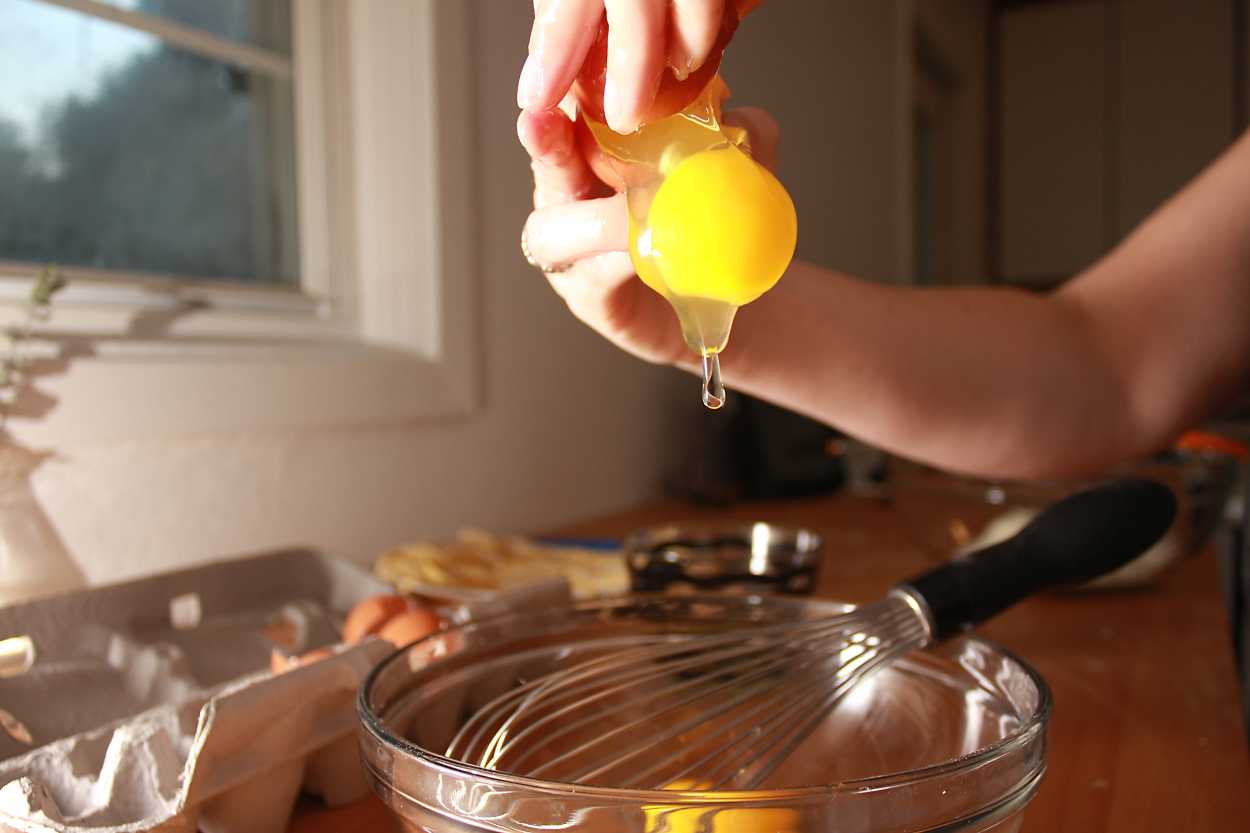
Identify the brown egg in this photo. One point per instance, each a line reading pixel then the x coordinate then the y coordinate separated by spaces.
pixel 369 615
pixel 280 663
pixel 410 626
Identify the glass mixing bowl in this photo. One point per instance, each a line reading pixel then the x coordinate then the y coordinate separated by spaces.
pixel 952 739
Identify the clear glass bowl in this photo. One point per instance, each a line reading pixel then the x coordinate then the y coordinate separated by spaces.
pixel 953 739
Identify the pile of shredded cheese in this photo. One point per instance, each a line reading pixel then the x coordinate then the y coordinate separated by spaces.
pixel 481 561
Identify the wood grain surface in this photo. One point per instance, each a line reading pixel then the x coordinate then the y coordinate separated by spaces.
pixel 1146 733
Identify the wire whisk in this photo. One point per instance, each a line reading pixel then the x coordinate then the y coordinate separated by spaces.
pixel 724 710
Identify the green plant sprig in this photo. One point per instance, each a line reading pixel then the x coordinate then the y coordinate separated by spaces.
pixel 38 308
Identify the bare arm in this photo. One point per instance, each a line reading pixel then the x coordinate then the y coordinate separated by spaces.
pixel 1149 340
pixel 989 381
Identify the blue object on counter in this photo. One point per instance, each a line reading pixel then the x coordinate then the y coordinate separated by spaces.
pixel 603 544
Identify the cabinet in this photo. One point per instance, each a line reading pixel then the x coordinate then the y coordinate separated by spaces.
pixel 1103 110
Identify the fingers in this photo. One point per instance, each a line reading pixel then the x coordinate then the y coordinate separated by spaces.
pixel 694 28
pixel 603 292
pixel 764 131
pixel 560 171
pixel 636 57
pixel 568 232
pixel 562 34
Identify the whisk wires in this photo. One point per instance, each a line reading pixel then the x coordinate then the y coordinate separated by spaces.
pixel 720 710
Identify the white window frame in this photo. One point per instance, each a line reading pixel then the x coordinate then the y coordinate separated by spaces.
pixel 382 329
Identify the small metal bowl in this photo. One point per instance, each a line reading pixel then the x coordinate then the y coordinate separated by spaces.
pixel 740 558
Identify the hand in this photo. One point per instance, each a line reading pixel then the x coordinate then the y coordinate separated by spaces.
pixel 641 39
pixel 579 232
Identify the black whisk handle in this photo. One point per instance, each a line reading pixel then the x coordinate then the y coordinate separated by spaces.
pixel 1075 540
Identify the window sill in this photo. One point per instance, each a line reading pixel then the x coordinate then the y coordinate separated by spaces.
pixel 123 361
pixel 82 389
pixel 383 328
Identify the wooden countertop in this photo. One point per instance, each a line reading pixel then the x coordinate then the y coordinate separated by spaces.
pixel 1147 731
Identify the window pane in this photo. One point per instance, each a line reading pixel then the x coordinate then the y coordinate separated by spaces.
pixel 120 152
pixel 264 23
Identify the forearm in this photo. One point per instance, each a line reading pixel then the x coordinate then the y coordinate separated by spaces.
pixel 1142 345
pixel 992 381
pixel 983 380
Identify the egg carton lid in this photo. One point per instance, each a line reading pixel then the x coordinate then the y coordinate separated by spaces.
pixel 148 704
pixel 231 760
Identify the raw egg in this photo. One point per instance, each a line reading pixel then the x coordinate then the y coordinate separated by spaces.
pixel 720 227
pixel 672 819
pixel 710 229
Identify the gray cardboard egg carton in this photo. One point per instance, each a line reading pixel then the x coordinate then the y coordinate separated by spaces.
pixel 149 705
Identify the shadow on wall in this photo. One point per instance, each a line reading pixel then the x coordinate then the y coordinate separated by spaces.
pixel 34 558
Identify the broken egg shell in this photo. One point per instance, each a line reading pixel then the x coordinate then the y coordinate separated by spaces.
pixel 410 626
pixel 369 615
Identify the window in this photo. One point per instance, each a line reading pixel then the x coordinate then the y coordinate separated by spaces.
pixel 262 205
pixel 138 154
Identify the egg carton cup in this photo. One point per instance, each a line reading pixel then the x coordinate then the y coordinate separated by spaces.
pixel 149 705
pixel 233 760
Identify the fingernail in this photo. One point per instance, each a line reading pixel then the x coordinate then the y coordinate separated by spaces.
pixel 531 82
pixel 614 108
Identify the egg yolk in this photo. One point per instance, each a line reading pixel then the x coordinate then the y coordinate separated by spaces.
pixel 710 229
pixel 720 228
pixel 670 819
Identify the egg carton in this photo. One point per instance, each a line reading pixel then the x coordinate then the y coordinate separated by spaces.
pixel 235 759
pixel 149 705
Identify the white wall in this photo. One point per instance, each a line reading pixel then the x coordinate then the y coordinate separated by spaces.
pixel 570 427
pixel 1107 110
pixel 828 72
pixel 839 77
